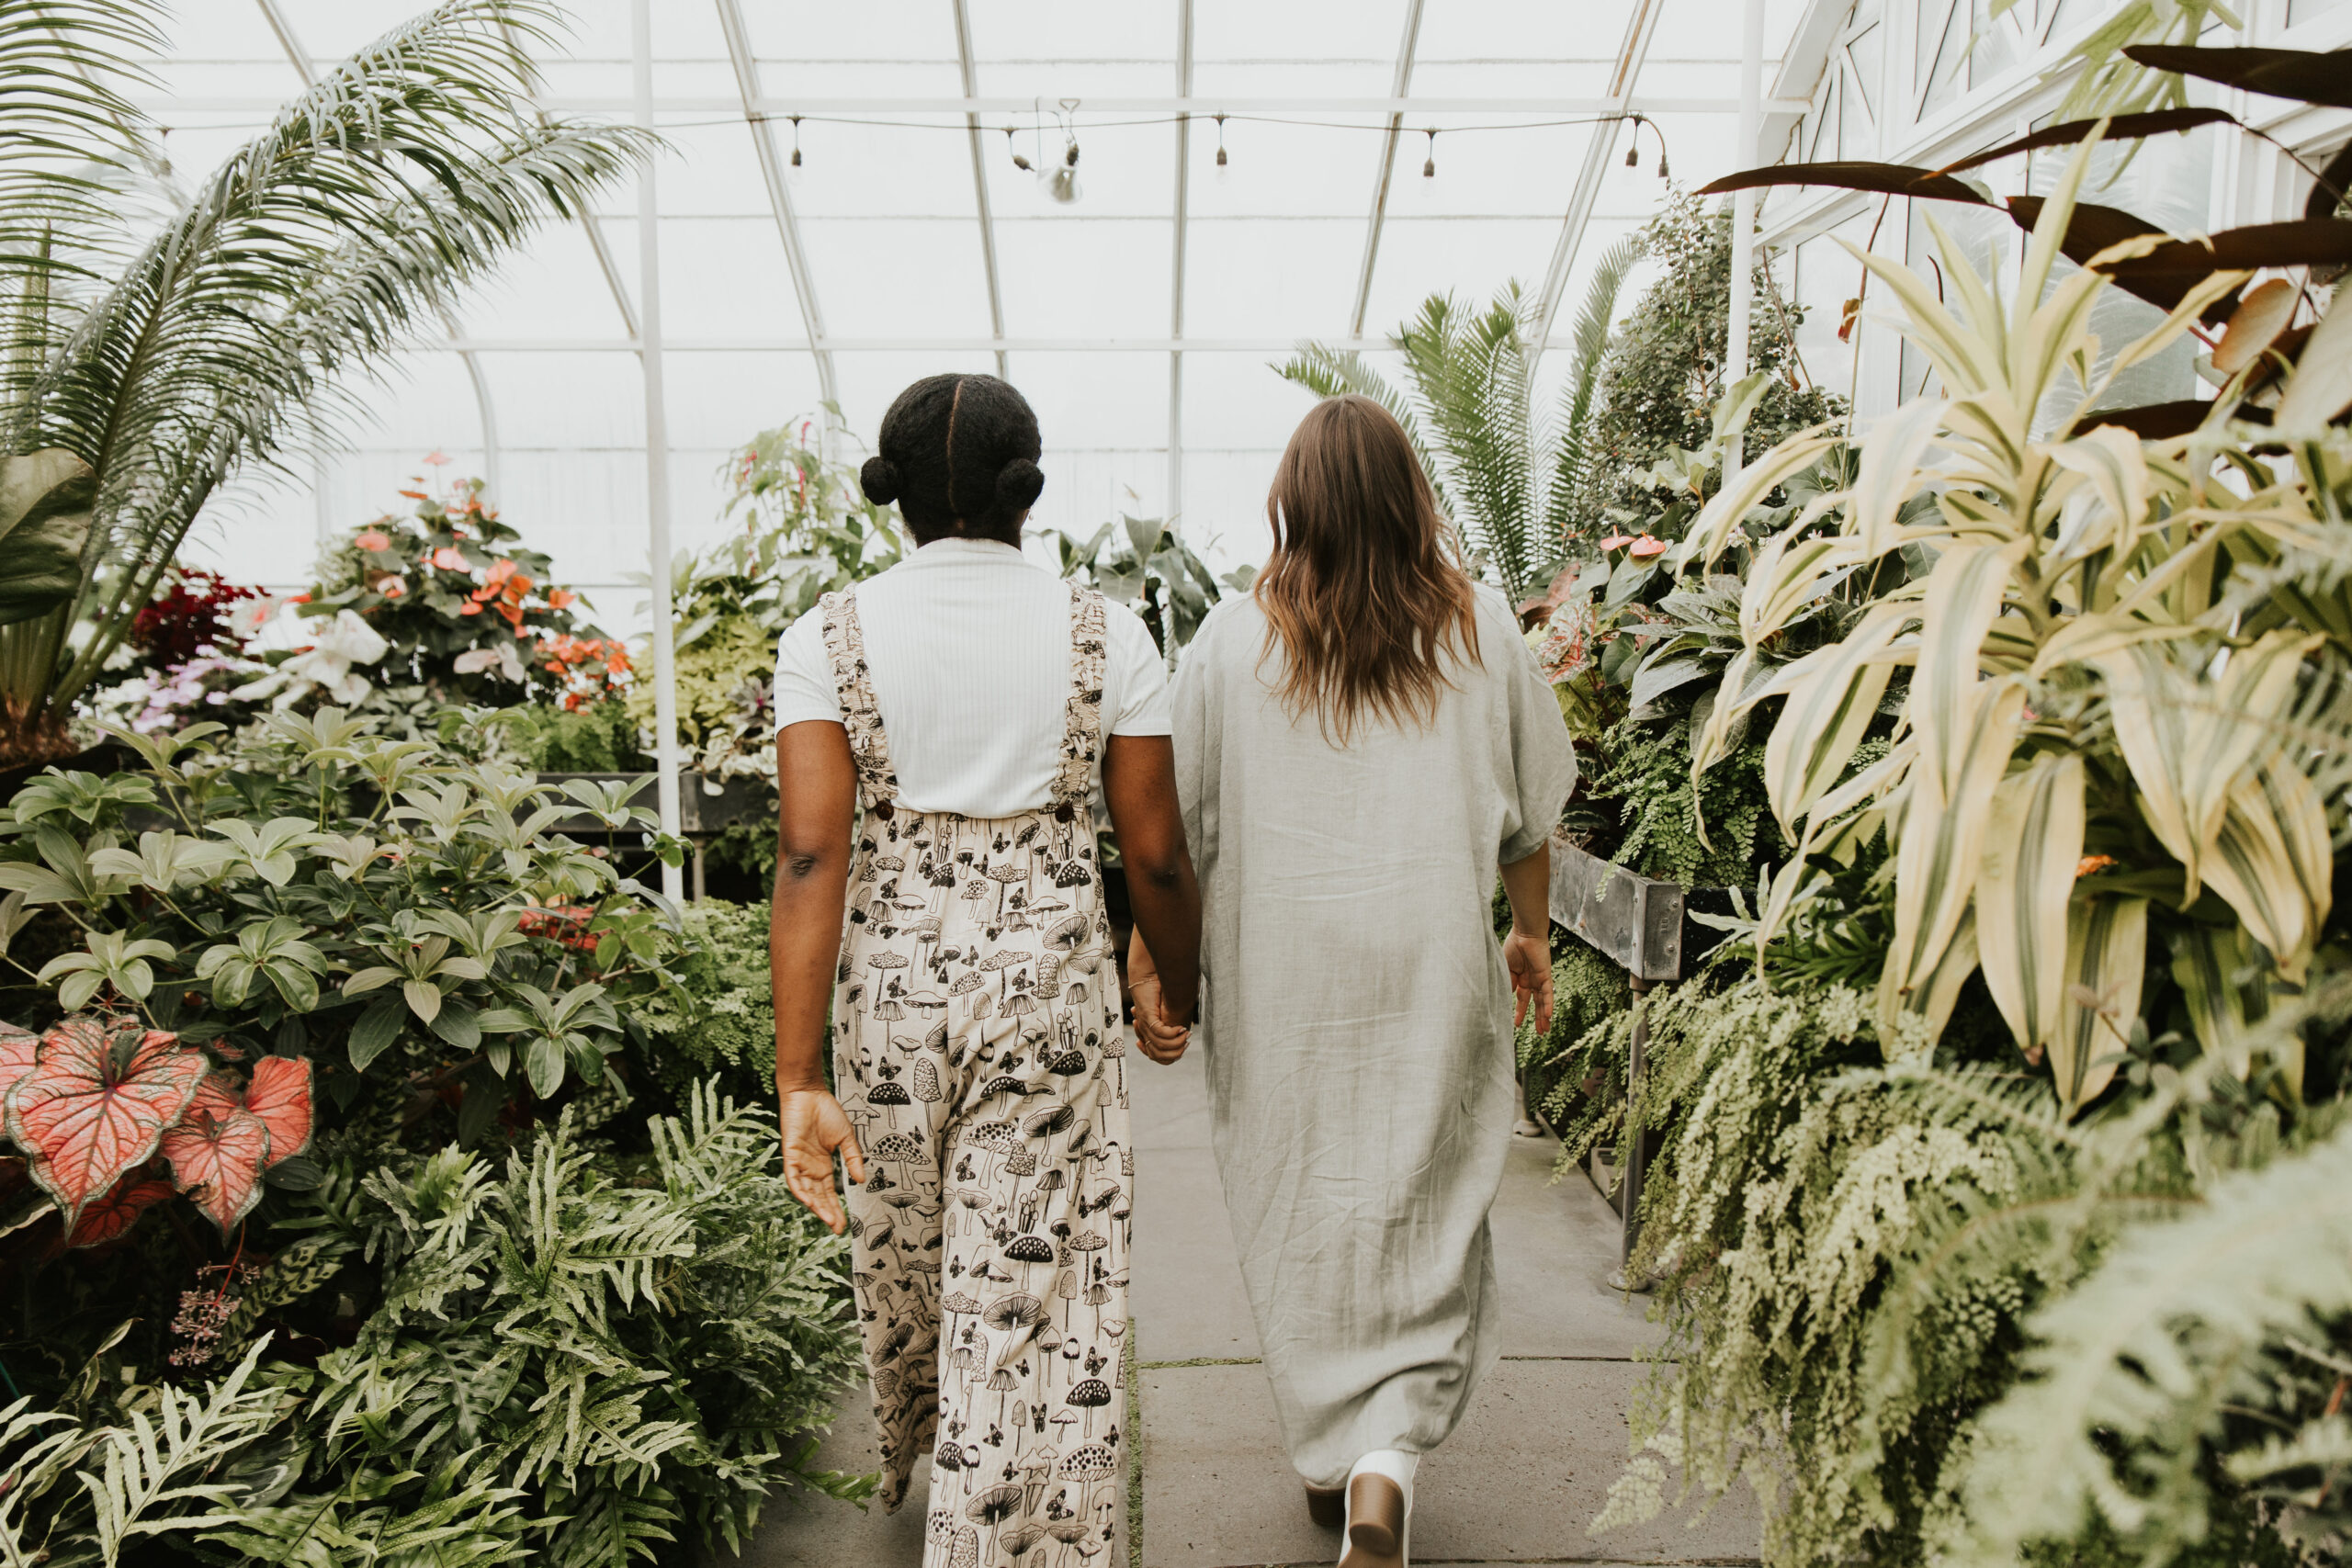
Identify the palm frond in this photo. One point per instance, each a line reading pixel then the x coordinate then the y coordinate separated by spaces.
pixel 1330 372
pixel 1572 459
pixel 1469 371
pixel 353 222
pixel 65 126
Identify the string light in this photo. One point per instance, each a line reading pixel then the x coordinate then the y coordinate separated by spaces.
pixel 796 142
pixel 1018 160
pixel 1634 149
pixel 1220 141
pixel 1428 164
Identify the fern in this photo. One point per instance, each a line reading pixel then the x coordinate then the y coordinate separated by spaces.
pixel 2151 1352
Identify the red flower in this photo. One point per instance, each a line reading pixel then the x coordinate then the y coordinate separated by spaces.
pixel 1646 547
pixel 449 559
pixel 561 598
pixel 373 539
pixel 1616 541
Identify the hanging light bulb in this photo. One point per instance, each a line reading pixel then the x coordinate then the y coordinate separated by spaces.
pixel 1428 164
pixel 1634 151
pixel 1062 184
pixel 796 142
pixel 1661 158
pixel 1018 160
pixel 1220 141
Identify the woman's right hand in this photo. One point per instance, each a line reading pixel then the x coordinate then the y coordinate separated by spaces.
pixel 1157 1035
pixel 814 1126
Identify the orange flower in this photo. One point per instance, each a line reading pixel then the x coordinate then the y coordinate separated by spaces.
pixel 297 598
pixel 561 598
pixel 413 494
pixel 373 539
pixel 1646 547
pixel 2090 864
pixel 471 607
pixel 500 571
pixel 1616 541
pixel 449 559
pixel 390 587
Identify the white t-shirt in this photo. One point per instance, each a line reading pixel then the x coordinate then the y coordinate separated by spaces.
pixel 967 649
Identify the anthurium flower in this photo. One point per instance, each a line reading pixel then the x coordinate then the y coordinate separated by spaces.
pixel 471 607
pixel 373 539
pixel 390 587
pixel 344 642
pixel 1646 547
pixel 1616 541
pixel 561 598
pixel 449 559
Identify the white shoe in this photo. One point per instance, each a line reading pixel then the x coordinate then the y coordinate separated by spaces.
pixel 1378 1524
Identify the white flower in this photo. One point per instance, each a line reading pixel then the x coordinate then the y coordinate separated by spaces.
pixel 344 642
pixel 498 661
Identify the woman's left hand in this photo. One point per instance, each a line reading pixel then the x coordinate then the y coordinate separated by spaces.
pixel 1530 958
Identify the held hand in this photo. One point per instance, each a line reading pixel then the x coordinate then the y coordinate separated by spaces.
pixel 1530 958
pixel 1158 1037
pixel 814 1128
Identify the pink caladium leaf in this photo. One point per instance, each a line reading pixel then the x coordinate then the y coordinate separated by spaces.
pixel 97 1103
pixel 19 1048
pixel 279 1093
pixel 217 1152
pixel 114 1215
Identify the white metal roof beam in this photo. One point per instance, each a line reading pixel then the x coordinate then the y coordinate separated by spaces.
pixel 1176 263
pixel 1639 27
pixel 980 178
pixel 484 404
pixel 784 108
pixel 909 345
pixel 1396 92
pixel 787 226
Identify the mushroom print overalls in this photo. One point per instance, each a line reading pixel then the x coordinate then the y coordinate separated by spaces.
pixel 978 1049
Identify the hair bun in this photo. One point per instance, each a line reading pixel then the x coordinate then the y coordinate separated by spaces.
pixel 1018 485
pixel 879 480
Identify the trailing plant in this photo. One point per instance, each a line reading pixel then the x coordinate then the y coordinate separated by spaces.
pixel 158 340
pixel 1568 1069
pixel 1506 473
pixel 1658 427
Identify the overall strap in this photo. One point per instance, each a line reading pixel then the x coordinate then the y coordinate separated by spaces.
pixel 1082 723
pixel 868 746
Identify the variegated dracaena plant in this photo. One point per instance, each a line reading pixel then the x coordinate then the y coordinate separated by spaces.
pixel 2072 651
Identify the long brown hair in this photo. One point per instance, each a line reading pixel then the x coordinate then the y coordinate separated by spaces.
pixel 1364 593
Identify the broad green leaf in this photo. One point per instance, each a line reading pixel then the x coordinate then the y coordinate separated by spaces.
pixel 2107 949
pixel 1911 1017
pixel 46 499
pixel 1943 835
pixel 543 1065
pixel 2188 739
pixel 1788 574
pixel 1963 596
pixel 2031 848
pixel 2223 980
pixel 378 1027
pixel 1889 474
pixel 1712 529
pixel 2249 867
pixel 365 980
pixel 1833 694
pixel 424 998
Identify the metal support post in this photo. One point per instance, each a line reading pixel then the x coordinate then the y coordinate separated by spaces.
pixel 657 460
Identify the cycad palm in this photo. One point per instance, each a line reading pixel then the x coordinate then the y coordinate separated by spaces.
pixel 142 362
pixel 1508 476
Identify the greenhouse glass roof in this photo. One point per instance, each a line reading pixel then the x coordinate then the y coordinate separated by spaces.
pixel 904 238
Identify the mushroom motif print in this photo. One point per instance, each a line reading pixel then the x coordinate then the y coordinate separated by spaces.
pixel 979 1025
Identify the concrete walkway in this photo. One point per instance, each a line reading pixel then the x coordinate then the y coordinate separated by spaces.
pixel 1529 1465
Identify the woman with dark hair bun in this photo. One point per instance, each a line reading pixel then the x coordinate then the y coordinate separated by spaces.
pixel 942 731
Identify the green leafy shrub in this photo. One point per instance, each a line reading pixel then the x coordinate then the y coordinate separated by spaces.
pixel 717 1020
pixel 573 1357
pixel 597 738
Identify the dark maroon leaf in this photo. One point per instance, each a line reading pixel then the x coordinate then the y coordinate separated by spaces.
pixel 2092 229
pixel 2159 421
pixel 2122 128
pixel 1888 179
pixel 2303 242
pixel 2335 181
pixel 2280 72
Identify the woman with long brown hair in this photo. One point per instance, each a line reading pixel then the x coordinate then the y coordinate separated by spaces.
pixel 1363 744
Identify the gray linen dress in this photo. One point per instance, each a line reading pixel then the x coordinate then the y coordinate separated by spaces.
pixel 1356 1019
